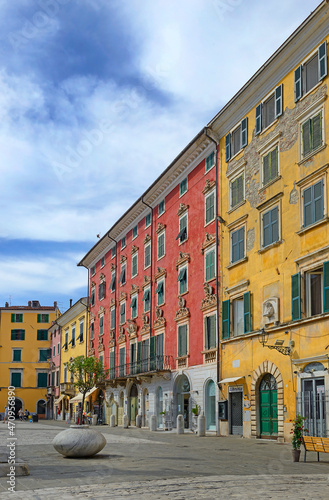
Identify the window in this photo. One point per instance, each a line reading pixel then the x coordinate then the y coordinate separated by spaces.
pixel 147 299
pixel 92 297
pixel 81 331
pixel 210 161
pixel 210 332
pixel 16 318
pixel 122 278
pixel 182 340
pixel 17 334
pixel 114 251
pixel 17 355
pixel 161 245
pixel 93 270
pixel 101 325
pixel 316 292
pixel 241 307
pixel 101 290
pixel 160 292
pixel 42 335
pixel 182 235
pixel 270 226
pixel 183 187
pixel 237 244
pixel 16 379
pixel 112 364
pixel 58 348
pixel 122 361
pixel 161 208
pixel 236 190
pixel 112 318
pixel 210 265
pixel 269 110
pixel 102 261
pixel 44 355
pixel 113 280
pixel 42 379
pixel 147 256
pixel 122 313
pixel 123 242
pixel 43 318
pixel 236 140
pixel 311 72
pixel 313 204
pixel 270 165
pixel 182 280
pixel 135 232
pixel 210 207
pixel 57 377
pixel 134 266
pixel 54 351
pixel 148 220
pixel 311 134
pixel 133 306
pixel 92 330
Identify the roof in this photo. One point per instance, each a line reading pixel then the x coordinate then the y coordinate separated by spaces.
pixel 29 308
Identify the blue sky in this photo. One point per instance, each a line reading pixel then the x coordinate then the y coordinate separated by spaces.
pixel 97 97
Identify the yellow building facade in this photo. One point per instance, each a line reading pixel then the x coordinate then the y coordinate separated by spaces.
pixel 24 354
pixel 274 242
pixel 73 325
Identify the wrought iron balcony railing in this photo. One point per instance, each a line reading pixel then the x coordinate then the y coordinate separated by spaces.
pixel 144 366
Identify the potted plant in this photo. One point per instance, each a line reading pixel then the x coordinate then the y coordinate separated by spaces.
pixel 297 435
pixel 79 440
pixel 196 410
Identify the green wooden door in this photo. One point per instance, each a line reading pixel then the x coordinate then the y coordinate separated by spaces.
pixel 268 406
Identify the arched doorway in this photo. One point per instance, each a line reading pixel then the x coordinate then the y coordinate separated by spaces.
pixel 159 407
pixel 183 398
pixel 145 413
pixel 133 404
pixel 268 406
pixel 41 408
pixel 120 409
pixel 211 405
pixel 18 406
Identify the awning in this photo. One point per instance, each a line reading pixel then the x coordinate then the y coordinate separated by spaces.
pixel 228 380
pixel 77 398
pixel 90 392
pixel 57 401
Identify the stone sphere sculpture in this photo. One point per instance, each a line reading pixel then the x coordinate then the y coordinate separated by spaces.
pixel 79 441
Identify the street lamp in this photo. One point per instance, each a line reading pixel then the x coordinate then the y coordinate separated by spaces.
pixel 278 344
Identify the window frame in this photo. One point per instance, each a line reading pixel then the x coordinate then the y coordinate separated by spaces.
pixel 147 246
pixel 305 187
pixel 182 217
pixel 17 350
pixel 148 220
pixel 134 264
pixel 41 334
pixel 211 250
pixel 277 93
pixel 123 312
pixel 242 129
pixel 135 232
pixel 268 209
pixel 161 235
pixel 211 193
pixel 18 337
pixel 211 156
pixel 307 118
pixel 264 153
pixel 123 275
pixel 161 207
pixel 181 289
pixel 112 318
pixel 160 282
pixel 234 178
pixel 20 318
pixel 16 372
pixel 101 324
pixel 183 186
pixel 102 261
pixel 43 350
pixel 179 329
pixel 134 309
pixel 300 78
pixel 232 232
pixel 207 334
pixel 147 289
pixel 123 242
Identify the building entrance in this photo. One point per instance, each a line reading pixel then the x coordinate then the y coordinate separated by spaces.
pixel 268 407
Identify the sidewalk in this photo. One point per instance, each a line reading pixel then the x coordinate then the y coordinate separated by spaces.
pixel 156 465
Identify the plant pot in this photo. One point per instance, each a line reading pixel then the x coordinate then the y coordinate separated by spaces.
pixel 295 455
pixel 79 441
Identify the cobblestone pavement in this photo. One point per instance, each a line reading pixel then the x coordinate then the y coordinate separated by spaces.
pixel 137 463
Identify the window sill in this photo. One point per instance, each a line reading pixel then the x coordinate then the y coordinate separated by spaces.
pixel 162 256
pixel 311 226
pixel 238 205
pixel 209 222
pixel 268 247
pixel 182 294
pixel 311 90
pixel 265 186
pixel 182 242
pixel 209 169
pixel 269 126
pixel 210 279
pixel 233 264
pixel 310 155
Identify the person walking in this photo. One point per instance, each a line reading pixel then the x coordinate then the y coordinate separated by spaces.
pixel 6 414
pixel 20 414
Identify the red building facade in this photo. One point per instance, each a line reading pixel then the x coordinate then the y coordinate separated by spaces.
pixel 153 288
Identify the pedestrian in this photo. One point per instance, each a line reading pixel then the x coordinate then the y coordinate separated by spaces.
pixel 20 414
pixel 26 414
pixel 6 414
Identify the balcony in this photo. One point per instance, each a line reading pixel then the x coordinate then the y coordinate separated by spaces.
pixel 146 367
pixel 51 390
pixel 67 388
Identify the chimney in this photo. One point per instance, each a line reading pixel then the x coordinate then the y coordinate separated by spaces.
pixel 6 304
pixel 55 304
pixel 70 302
pixel 29 303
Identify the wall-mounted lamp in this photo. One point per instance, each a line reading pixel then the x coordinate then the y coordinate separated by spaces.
pixel 278 345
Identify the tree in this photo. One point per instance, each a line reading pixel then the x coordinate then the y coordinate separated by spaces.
pixel 88 372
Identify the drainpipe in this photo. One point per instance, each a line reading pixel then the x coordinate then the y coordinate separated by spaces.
pixel 217 254
pixel 151 301
pixel 115 290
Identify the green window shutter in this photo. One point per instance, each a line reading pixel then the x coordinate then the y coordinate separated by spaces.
pixel 139 355
pixel 227 147
pixel 17 355
pixel 210 265
pixel 278 101
pixel 12 317
pixel 326 286
pixel 244 132
pixel 20 318
pixel 266 169
pixel 247 312
pixel 258 126
pixel 322 60
pixel 39 335
pixel 274 163
pixel 152 353
pixel 225 319
pixel 182 340
pixel 316 131
pixel 16 379
pixel 212 336
pixel 42 379
pixel 306 136
pixel 295 296
pixel 206 332
pixel 210 207
pixel 39 318
pixel 298 83
pixel 210 160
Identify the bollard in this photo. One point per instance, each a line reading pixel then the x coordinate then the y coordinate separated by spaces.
pixel 125 421
pixel 180 424
pixel 112 421
pixel 153 423
pixel 201 425
pixel 139 421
